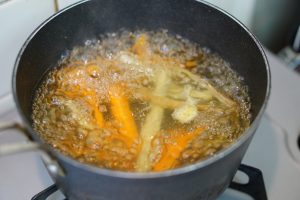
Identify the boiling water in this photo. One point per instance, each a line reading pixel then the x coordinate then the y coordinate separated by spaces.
pixel 97 104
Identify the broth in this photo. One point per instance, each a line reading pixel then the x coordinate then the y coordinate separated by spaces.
pixel 141 101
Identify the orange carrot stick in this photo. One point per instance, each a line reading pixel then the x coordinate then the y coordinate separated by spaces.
pixel 97 114
pixel 92 102
pixel 120 109
pixel 120 137
pixel 141 45
pixel 173 149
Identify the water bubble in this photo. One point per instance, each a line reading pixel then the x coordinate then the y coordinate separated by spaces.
pixel 88 42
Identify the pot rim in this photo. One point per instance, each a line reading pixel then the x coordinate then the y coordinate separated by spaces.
pixel 146 175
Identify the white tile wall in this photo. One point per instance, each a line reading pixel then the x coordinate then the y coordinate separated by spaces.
pixel 18 18
pixel 243 10
pixel 64 3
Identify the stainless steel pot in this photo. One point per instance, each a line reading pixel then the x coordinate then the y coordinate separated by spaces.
pixel 197 21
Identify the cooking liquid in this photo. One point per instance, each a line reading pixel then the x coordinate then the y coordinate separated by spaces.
pixel 95 105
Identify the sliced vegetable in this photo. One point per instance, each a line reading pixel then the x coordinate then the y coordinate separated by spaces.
pixel 152 123
pixel 185 113
pixel 191 64
pixel 164 101
pixel 205 84
pixel 90 98
pixel 120 109
pixel 175 145
pixel 141 46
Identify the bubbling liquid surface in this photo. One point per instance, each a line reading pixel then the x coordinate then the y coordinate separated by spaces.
pixel 141 101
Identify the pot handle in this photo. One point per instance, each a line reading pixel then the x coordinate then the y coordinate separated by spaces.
pixel 255 186
pixel 51 164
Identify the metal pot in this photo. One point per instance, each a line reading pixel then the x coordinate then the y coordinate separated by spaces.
pixel 197 21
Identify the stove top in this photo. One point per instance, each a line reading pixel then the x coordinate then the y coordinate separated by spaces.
pixel 254 187
pixel 274 149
